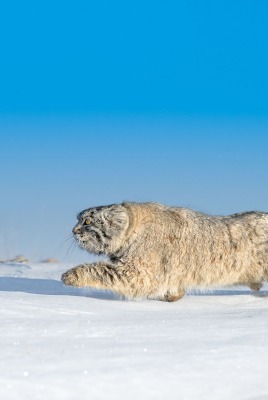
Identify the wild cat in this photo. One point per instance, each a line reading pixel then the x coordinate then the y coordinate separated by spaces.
pixel 160 252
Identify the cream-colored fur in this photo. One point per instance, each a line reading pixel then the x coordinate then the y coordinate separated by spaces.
pixel 161 252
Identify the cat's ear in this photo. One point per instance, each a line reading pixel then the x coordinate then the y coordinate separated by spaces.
pixel 117 216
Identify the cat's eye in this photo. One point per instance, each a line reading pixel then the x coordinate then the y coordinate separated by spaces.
pixel 87 221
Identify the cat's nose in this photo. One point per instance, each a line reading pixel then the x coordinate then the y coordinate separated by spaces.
pixel 76 230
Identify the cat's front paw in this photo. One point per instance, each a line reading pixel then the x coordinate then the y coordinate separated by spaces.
pixel 71 277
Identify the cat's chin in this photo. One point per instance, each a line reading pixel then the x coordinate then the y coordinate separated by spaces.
pixel 85 245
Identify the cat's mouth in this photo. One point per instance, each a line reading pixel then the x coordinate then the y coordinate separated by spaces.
pixel 80 239
pixel 90 242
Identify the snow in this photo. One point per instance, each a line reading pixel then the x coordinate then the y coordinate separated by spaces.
pixel 59 342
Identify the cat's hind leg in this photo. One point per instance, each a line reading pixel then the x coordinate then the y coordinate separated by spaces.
pixel 255 286
pixel 172 297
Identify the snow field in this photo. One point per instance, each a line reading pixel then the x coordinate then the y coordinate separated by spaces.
pixel 58 342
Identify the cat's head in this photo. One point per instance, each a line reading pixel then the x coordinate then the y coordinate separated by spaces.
pixel 100 230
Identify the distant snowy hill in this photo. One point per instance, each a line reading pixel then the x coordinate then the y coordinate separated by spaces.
pixel 63 343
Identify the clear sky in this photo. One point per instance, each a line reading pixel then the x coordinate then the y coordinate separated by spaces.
pixel 107 101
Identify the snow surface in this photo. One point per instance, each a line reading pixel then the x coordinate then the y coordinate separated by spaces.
pixel 59 342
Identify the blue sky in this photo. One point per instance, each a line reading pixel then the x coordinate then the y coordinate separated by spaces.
pixel 108 101
pixel 182 57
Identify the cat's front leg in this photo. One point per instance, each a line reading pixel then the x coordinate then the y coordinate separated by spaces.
pixel 101 275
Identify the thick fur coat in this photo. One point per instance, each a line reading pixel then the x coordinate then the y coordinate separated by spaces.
pixel 160 252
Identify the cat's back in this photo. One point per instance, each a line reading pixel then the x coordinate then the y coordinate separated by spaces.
pixel 252 225
pixel 249 217
pixel 196 220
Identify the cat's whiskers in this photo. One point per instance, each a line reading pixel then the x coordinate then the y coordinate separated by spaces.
pixel 71 248
pixel 68 238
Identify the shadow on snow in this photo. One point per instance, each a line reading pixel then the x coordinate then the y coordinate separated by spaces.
pixel 51 287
